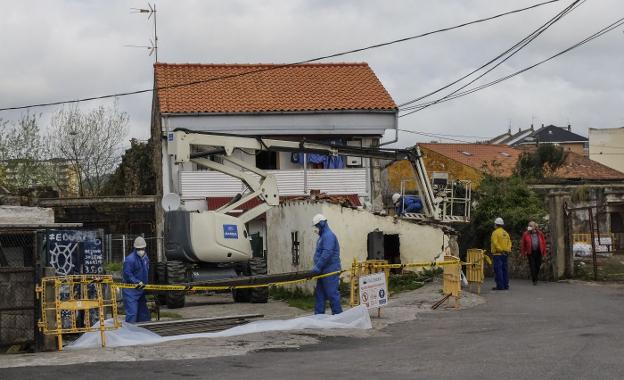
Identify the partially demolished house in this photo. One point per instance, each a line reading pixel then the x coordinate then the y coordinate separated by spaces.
pixel 362 235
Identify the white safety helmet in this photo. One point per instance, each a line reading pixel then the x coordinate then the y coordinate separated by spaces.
pixel 318 218
pixel 139 243
pixel 499 221
pixel 395 197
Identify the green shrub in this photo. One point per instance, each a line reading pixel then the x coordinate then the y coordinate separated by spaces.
pixel 113 267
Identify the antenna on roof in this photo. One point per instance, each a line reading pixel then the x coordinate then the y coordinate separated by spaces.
pixel 153 46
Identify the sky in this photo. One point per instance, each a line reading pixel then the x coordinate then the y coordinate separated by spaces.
pixel 69 49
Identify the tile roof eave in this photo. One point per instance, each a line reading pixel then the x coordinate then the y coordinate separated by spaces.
pixel 275 112
pixel 551 142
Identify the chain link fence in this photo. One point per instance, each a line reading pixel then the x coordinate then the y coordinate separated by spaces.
pixel 118 246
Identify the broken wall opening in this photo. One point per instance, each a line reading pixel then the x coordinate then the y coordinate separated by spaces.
pixel 382 246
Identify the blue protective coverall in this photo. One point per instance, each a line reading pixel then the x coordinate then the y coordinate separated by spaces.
pixel 135 270
pixel 412 204
pixel 327 260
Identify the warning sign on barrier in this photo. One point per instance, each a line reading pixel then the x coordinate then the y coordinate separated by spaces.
pixel 374 290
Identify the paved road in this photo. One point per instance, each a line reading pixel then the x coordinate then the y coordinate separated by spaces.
pixel 550 331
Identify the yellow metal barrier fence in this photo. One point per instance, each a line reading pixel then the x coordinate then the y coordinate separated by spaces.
pixel 451 284
pixel 451 279
pixel 68 303
pixel 474 268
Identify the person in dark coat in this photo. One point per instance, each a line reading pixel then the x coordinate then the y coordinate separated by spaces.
pixel 136 271
pixel 533 246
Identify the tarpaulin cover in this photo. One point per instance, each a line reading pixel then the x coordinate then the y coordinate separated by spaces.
pixel 130 335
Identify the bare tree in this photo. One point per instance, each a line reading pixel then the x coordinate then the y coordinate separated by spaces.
pixel 90 142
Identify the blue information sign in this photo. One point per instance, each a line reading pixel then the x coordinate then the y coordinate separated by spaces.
pixel 230 231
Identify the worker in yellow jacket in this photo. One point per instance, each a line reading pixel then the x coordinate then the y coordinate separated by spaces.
pixel 501 248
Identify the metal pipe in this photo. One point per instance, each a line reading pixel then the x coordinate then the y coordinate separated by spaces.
pixel 305 173
pixel 593 242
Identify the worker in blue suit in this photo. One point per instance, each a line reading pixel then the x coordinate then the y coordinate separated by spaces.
pixel 326 260
pixel 135 271
pixel 406 203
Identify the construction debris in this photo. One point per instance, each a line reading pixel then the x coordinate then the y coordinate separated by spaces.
pixel 316 196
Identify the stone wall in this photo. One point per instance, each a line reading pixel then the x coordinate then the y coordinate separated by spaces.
pixel 17 288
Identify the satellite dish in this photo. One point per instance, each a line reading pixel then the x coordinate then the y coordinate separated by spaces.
pixel 170 202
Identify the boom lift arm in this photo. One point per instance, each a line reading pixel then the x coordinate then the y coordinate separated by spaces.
pixel 180 142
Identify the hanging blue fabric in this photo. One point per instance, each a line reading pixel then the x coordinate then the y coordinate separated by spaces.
pixel 329 162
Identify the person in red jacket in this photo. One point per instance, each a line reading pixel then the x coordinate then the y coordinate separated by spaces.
pixel 533 246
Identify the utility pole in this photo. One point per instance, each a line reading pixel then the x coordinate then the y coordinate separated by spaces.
pixel 153 46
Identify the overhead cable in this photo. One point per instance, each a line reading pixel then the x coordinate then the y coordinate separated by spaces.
pixel 435 135
pixel 593 36
pixel 276 67
pixel 507 54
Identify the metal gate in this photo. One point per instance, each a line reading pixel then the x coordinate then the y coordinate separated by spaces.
pixel 17 287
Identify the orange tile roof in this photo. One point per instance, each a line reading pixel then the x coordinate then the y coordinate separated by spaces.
pixel 307 87
pixel 476 155
pixel 576 166
pixel 580 167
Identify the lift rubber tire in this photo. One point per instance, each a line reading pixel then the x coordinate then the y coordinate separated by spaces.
pixel 242 295
pixel 258 266
pixel 160 273
pixel 176 274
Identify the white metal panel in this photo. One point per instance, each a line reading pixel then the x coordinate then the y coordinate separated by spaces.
pixel 201 184
pixel 338 181
pixel 289 182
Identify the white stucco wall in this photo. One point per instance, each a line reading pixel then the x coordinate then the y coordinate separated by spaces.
pixel 605 146
pixel 417 242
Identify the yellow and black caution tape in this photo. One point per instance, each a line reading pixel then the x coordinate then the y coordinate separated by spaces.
pixel 220 287
pixel 417 264
pixel 157 287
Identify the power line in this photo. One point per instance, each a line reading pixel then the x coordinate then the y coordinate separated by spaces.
pixel 435 135
pixel 224 77
pixel 598 34
pixel 508 53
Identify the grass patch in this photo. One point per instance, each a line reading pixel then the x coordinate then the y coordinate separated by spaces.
pixel 609 268
pixel 411 280
pixel 294 298
pixel 167 314
pixel 113 267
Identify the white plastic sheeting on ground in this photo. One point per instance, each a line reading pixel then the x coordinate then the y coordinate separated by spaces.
pixel 129 335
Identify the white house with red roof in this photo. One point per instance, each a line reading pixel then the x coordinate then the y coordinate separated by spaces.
pixel 342 103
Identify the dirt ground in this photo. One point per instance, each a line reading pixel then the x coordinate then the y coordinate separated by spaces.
pixel 402 307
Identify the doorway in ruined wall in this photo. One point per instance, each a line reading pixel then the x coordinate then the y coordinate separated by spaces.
pixel 392 251
pixel 384 247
